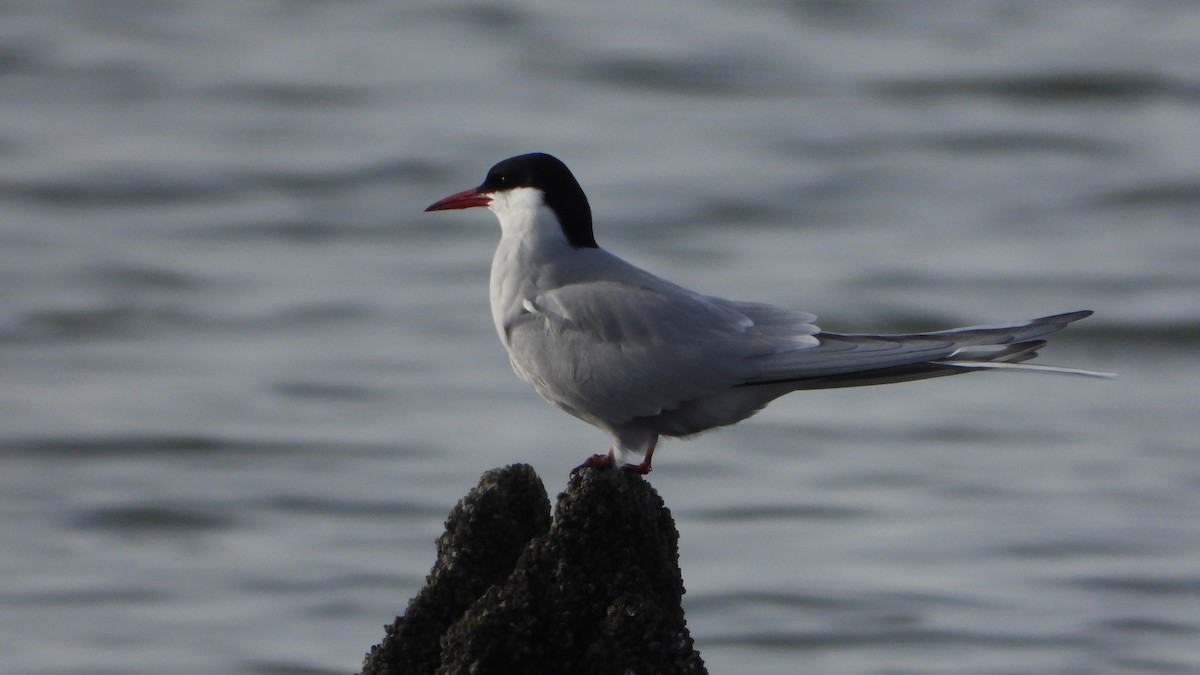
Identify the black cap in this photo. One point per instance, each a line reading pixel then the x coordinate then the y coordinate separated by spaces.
pixel 560 190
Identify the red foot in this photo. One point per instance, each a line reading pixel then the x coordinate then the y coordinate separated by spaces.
pixel 599 462
pixel 640 469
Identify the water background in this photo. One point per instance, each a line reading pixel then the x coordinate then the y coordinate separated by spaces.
pixel 243 378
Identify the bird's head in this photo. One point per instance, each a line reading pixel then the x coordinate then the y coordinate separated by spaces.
pixel 525 182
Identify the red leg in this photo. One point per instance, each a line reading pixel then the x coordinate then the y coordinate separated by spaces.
pixel 644 467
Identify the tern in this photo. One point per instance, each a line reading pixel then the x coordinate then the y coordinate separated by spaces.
pixel 640 357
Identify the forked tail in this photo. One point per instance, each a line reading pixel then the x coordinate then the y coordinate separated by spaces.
pixel 856 360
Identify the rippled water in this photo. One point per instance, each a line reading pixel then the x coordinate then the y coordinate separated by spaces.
pixel 243 378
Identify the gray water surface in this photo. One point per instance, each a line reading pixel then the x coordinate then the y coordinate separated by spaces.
pixel 243 378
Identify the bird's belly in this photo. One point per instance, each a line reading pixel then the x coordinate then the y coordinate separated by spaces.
pixel 723 408
pixel 549 385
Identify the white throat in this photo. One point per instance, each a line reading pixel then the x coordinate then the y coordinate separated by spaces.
pixel 531 241
pixel 524 215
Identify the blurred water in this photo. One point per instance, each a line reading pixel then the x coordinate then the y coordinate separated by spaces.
pixel 243 378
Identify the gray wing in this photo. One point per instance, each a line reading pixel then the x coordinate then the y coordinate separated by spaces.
pixel 616 351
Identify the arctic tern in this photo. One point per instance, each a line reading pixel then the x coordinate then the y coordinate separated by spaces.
pixel 640 357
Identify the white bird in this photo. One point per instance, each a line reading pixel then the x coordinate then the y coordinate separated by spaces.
pixel 640 357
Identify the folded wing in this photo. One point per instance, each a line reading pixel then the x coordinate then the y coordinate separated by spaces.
pixel 621 351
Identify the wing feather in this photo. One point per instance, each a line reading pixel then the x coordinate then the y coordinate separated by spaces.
pixel 612 351
pixel 941 352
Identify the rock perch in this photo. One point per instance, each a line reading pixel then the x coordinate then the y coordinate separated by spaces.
pixel 595 590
